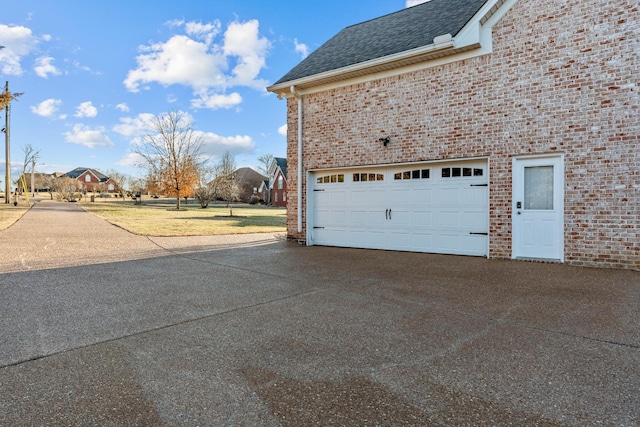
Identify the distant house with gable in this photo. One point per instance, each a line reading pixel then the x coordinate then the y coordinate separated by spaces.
pixel 91 180
pixel 273 191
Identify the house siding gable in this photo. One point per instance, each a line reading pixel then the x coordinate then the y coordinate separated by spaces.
pixel 562 78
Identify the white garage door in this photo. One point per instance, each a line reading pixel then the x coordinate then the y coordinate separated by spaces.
pixel 432 207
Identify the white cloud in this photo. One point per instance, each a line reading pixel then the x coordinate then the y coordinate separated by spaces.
pixel 130 160
pixel 18 42
pixel 282 130
pixel 123 107
pixel 216 145
pixel 209 68
pixel 301 48
pixel 44 67
pixel 241 40
pixel 47 108
pixel 410 3
pixel 134 126
pixel 86 109
pixel 206 32
pixel 216 101
pixel 84 135
pixel 181 60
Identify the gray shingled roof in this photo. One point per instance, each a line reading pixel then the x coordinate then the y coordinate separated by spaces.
pixel 79 171
pixel 404 30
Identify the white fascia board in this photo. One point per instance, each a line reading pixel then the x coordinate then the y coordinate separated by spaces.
pixel 283 89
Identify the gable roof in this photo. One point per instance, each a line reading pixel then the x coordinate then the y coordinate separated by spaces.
pixel 248 175
pixel 281 162
pixel 388 35
pixel 77 172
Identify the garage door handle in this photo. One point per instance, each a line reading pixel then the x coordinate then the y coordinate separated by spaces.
pixel 389 213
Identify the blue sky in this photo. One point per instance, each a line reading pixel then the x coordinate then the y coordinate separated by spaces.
pixel 93 72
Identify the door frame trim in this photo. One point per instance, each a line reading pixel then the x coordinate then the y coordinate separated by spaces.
pixel 557 186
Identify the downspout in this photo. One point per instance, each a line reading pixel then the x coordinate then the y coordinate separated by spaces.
pixel 299 96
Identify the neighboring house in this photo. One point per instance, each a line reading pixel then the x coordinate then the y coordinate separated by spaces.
pixel 249 181
pixel 495 128
pixel 90 180
pixel 41 182
pixel 278 182
pixel 263 191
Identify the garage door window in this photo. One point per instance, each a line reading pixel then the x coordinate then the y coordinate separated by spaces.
pixel 458 172
pixel 366 176
pixel 328 179
pixel 412 174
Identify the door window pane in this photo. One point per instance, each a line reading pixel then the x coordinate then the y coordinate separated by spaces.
pixel 538 187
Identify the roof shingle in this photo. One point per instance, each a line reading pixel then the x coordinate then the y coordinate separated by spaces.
pixel 397 32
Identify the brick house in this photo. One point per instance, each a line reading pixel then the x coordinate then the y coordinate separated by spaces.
pixel 278 182
pixel 497 128
pixel 90 180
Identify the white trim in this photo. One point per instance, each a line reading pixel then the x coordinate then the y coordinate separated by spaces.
pixel 386 165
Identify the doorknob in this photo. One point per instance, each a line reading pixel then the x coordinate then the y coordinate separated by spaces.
pixel 519 212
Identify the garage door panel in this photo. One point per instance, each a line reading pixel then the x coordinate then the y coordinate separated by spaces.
pixel 413 208
pixel 359 197
pixel 448 219
pixel 400 196
pixel 447 196
pixel 473 220
pixel 339 217
pixel 422 197
pixel 474 195
pixel 422 218
pixel 447 242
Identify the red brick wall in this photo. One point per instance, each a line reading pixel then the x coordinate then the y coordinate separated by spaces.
pixel 563 78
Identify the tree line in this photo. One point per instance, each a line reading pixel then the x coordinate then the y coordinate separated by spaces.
pixel 172 155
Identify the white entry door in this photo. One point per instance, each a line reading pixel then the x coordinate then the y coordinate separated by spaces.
pixel 538 208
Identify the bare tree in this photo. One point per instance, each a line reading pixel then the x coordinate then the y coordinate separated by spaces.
pixel 205 192
pixel 119 180
pixel 225 185
pixel 171 152
pixel 136 185
pixel 47 182
pixel 30 159
pixel 67 189
pixel 265 163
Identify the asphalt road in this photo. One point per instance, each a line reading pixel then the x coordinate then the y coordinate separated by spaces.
pixel 100 327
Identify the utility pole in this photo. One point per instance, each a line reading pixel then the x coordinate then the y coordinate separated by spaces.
pixel 5 101
pixel 7 149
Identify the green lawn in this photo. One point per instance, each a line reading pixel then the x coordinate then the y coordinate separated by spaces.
pixel 160 218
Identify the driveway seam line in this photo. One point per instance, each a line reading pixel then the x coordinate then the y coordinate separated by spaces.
pixel 159 328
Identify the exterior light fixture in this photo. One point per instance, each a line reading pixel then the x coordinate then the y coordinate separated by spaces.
pixel 385 140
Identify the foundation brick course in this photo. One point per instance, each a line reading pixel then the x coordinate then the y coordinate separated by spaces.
pixel 563 77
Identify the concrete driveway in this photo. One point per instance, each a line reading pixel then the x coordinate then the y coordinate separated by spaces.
pixel 101 327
